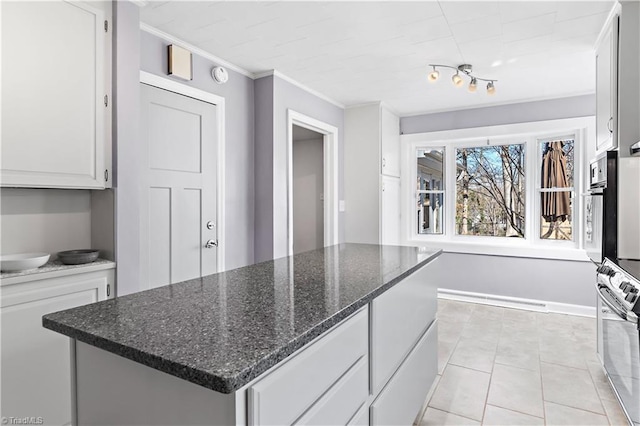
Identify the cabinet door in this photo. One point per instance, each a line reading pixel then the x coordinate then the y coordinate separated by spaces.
pixel 390 140
pixel 54 83
pixel 398 318
pixel 400 401
pixel 390 212
pixel 606 89
pixel 36 362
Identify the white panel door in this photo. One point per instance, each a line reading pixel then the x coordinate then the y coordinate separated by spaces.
pixel 390 216
pixel 178 197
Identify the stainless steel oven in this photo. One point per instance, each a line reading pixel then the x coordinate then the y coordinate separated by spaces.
pixel 618 335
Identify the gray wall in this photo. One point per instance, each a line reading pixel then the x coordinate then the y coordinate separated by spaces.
pixel 285 96
pixel 542 279
pixel 44 220
pixel 238 93
pixel 135 50
pixel 576 106
pixel 126 146
pixel 308 188
pixel 263 205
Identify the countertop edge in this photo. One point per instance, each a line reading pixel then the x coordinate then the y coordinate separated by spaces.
pixel 64 271
pixel 231 384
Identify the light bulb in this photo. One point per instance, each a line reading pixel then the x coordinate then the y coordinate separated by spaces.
pixel 433 75
pixel 473 85
pixel 457 80
pixel 491 89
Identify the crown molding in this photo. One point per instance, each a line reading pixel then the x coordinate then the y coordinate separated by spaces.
pixel 198 51
pixel 499 104
pixel 296 83
pixel 254 76
pixel 140 3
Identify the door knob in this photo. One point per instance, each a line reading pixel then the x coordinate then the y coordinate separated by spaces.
pixel 211 244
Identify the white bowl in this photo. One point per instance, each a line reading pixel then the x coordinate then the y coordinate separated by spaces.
pixel 23 261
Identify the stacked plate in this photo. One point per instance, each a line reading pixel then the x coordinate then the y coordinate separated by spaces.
pixel 22 261
pixel 78 257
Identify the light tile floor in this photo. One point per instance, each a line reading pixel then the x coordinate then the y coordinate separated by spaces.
pixel 500 366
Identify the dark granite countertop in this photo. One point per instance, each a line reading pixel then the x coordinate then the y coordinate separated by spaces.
pixel 223 330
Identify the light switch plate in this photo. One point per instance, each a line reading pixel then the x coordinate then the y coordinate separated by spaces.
pixel 180 63
pixel 341 207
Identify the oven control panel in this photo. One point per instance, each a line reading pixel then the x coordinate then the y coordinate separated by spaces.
pixel 625 287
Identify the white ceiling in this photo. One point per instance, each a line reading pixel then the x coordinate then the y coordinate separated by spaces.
pixel 358 52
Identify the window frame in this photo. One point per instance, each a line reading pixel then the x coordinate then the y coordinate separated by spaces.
pixel 581 130
pixel 442 191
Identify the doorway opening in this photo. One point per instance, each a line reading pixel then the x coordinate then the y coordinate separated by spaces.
pixel 312 187
pixel 308 190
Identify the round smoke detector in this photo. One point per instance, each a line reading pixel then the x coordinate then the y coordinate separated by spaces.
pixel 220 75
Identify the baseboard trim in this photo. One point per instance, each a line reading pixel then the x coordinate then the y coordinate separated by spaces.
pixel 517 303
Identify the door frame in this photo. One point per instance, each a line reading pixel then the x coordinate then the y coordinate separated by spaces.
pixel 219 102
pixel 330 175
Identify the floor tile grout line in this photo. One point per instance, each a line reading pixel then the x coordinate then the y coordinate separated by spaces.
pixel 449 412
pixel 515 411
pixel 539 330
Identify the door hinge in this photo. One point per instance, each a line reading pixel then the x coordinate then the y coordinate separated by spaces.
pixel 106 100
pixel 108 290
pixel 106 26
pixel 106 175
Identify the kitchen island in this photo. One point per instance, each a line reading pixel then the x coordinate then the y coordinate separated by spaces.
pixel 344 334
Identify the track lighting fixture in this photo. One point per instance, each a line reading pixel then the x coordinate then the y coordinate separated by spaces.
pixel 473 85
pixel 457 79
pixel 491 89
pixel 433 75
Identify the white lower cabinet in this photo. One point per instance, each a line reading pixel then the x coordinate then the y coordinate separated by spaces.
pixel 36 366
pixel 332 372
pixel 398 318
pixel 401 399
pixel 374 369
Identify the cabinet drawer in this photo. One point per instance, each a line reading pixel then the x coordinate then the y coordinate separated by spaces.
pixel 401 400
pixel 398 318
pixel 343 400
pixel 286 393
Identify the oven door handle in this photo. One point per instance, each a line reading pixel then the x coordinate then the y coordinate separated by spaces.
pixel 625 315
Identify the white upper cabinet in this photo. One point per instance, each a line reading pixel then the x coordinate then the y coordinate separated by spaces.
pixel 56 103
pixel 390 143
pixel 607 88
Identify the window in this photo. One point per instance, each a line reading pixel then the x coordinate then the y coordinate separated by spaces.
pixel 490 190
pixel 502 190
pixel 430 187
pixel 556 157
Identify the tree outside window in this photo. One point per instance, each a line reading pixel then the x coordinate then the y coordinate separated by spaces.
pixel 490 191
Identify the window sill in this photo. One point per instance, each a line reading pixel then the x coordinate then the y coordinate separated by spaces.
pixel 506 250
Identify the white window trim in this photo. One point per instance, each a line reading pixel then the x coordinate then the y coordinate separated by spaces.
pixel 532 246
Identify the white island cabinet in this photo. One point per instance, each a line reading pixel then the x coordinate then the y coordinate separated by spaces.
pixel 375 367
pixel 36 367
pixel 56 103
